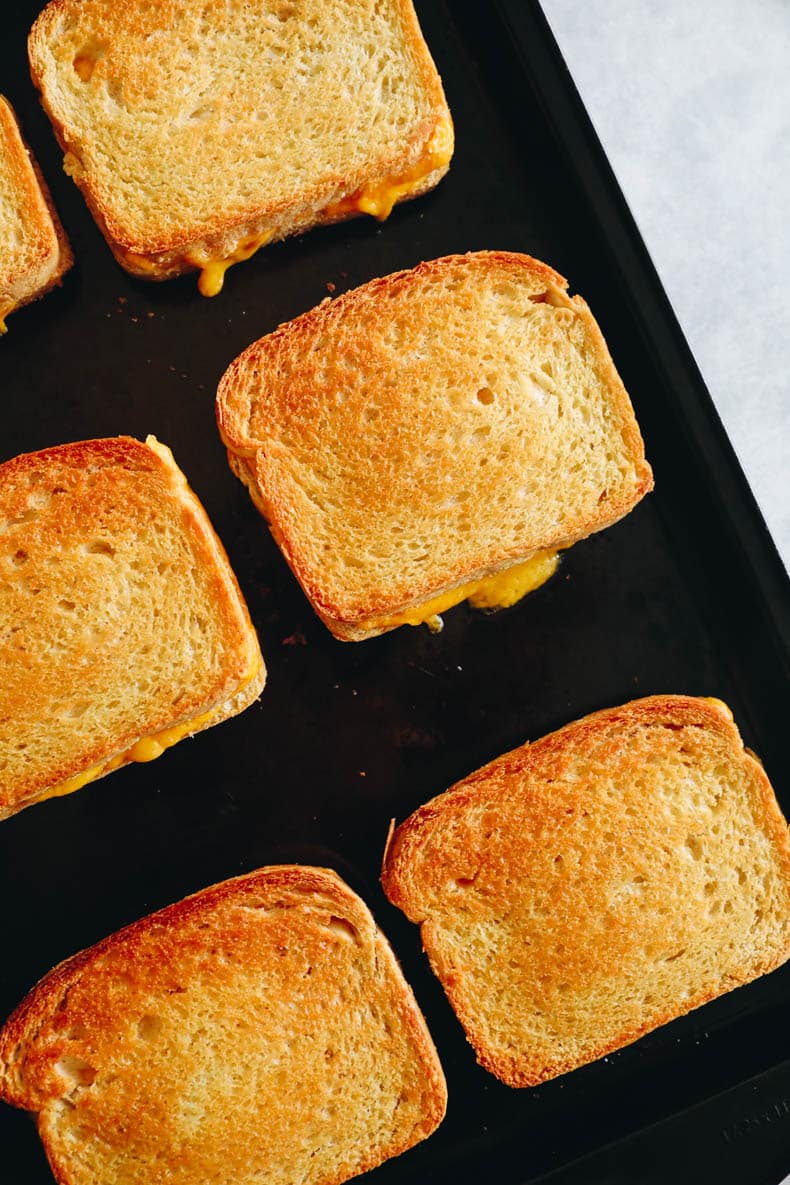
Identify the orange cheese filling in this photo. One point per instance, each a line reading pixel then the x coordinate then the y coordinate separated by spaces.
pixel 212 271
pixel 212 275
pixel 499 591
pixel 146 749
pixel 5 310
pixel 378 197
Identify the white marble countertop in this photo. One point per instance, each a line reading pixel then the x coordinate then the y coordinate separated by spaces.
pixel 692 104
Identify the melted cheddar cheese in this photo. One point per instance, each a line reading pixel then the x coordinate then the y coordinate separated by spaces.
pixel 212 271
pixel 212 275
pixel 146 749
pixel 378 197
pixel 499 591
pixel 79 780
pixel 506 588
pixel 5 310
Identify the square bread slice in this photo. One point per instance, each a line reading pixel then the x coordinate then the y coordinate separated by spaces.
pixel 34 250
pixel 582 890
pixel 122 627
pixel 197 131
pixel 428 431
pixel 260 1031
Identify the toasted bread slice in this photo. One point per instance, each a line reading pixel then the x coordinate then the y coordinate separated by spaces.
pixel 198 132
pixel 122 628
pixel 428 431
pixel 34 250
pixel 580 891
pixel 258 1031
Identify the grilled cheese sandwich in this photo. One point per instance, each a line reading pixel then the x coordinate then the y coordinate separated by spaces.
pixel 269 1008
pixel 138 617
pixel 328 95
pixel 459 418
pixel 583 889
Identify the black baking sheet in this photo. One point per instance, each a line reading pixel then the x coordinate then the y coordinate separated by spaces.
pixel 687 594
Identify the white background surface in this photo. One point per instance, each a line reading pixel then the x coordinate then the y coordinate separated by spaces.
pixel 691 100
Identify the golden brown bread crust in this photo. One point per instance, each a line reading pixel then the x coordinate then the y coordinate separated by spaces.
pixel 121 617
pixel 582 890
pixel 245 1030
pixel 120 44
pixel 368 431
pixel 30 271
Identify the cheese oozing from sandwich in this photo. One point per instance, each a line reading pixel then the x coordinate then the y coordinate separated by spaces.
pixel 5 310
pixel 378 197
pixel 212 274
pixel 148 748
pixel 212 271
pixel 499 591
